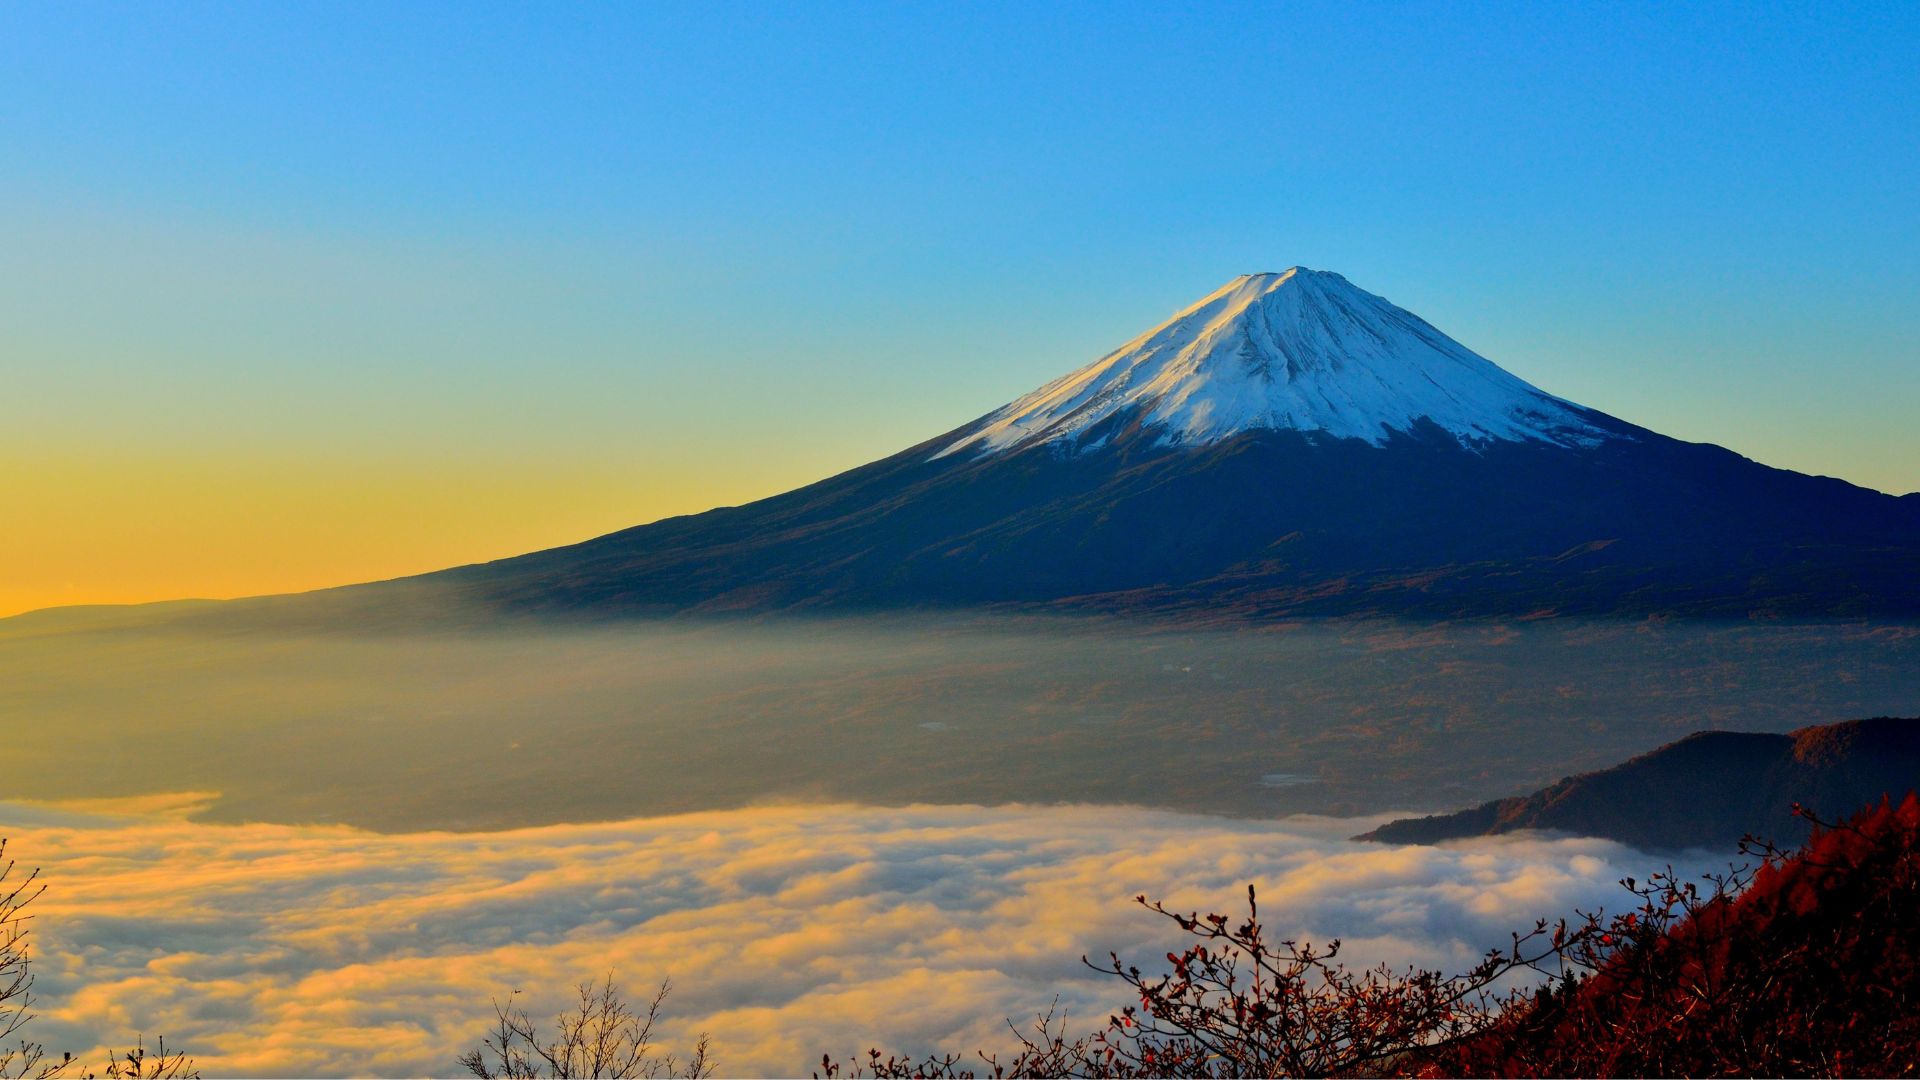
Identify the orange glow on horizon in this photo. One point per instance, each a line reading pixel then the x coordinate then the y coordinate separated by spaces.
pixel 125 530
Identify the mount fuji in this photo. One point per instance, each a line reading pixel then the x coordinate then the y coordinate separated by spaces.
pixel 1289 445
pixel 1299 351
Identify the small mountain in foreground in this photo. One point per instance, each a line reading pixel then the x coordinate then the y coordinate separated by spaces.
pixel 1704 791
pixel 1809 970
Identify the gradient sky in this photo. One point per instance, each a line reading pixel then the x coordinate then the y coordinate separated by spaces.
pixel 303 295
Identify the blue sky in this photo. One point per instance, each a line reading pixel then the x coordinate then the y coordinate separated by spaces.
pixel 687 255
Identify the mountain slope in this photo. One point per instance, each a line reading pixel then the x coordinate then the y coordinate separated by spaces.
pixel 1809 970
pixel 1707 790
pixel 1266 523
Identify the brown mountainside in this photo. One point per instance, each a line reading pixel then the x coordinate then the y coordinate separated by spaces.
pixel 1706 790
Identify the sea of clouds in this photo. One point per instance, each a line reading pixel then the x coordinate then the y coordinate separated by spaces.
pixel 787 931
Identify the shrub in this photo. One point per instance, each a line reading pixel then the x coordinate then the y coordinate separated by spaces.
pixel 27 1059
pixel 602 1038
pixel 1810 967
pixel 1802 964
pixel 1236 1003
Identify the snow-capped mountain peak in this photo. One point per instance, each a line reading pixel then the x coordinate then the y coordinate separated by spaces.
pixel 1301 350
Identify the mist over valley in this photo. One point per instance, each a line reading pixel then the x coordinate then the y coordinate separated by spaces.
pixel 532 724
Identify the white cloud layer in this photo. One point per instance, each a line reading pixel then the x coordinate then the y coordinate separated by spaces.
pixel 788 931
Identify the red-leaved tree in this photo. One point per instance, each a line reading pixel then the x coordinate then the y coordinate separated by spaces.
pixel 1801 963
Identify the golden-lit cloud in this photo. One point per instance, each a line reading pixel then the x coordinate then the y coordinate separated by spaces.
pixel 788 931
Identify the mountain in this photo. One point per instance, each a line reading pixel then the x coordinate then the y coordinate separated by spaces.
pixel 1298 351
pixel 1289 445
pixel 1705 791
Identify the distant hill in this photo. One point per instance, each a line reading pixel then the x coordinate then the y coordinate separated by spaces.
pixel 1707 790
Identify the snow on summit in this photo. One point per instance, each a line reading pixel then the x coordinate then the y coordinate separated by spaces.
pixel 1302 350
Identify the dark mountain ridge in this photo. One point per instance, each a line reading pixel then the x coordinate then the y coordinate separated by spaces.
pixel 1265 523
pixel 1705 791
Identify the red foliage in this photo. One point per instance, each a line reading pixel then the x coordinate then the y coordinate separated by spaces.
pixel 1809 966
pixel 1238 1003
pixel 1812 969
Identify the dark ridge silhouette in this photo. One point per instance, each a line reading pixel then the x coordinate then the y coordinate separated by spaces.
pixel 1261 526
pixel 1704 791
pixel 1264 524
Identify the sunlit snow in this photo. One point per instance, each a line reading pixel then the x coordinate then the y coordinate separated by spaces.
pixel 1302 350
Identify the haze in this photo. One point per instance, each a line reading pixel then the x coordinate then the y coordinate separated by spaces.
pixel 895 830
pixel 504 728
